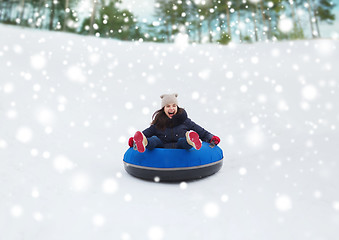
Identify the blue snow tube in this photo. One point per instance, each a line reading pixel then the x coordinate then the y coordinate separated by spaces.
pixel 174 165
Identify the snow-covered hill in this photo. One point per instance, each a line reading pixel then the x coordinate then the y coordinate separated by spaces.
pixel 68 105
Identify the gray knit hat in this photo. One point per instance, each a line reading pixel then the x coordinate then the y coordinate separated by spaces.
pixel 168 99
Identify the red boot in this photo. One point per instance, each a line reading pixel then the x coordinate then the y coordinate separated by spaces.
pixel 193 139
pixel 140 141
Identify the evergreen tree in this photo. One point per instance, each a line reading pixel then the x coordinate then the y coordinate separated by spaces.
pixel 112 22
pixel 323 12
pixel 276 10
pixel 297 32
pixel 165 16
pixel 224 10
pixel 240 7
pixel 196 21
pixel 207 12
pixel 253 10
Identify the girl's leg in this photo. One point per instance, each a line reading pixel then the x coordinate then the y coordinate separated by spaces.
pixel 183 144
pixel 193 139
pixel 154 142
pixel 140 141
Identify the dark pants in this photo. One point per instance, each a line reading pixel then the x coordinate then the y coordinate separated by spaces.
pixel 155 142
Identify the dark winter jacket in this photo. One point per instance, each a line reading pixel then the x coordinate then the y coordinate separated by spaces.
pixel 177 127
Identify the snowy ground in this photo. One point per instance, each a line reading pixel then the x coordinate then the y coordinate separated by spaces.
pixel 69 103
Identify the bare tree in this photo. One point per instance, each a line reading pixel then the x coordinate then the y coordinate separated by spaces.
pixel 94 9
pixel 311 18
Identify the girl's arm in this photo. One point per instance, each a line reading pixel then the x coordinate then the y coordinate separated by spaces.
pixel 204 135
pixel 149 132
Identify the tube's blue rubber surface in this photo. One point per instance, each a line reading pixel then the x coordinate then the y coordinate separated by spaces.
pixel 174 164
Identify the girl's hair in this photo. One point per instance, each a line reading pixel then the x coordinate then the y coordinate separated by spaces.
pixel 160 119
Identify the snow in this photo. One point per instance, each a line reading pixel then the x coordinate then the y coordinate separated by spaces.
pixel 69 104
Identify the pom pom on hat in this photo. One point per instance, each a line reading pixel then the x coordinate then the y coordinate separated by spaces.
pixel 168 99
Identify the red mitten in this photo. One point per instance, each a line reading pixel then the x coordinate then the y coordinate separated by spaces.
pixel 130 141
pixel 215 140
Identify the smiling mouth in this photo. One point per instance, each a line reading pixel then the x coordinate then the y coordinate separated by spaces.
pixel 171 114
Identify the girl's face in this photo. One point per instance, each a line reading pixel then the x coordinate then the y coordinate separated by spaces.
pixel 171 110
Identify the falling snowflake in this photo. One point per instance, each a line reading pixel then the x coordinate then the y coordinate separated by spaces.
pixel 24 134
pixel 62 163
pixel 336 205
pixel 181 40
pixel 128 197
pixel 128 105
pixel 255 1
pixel 195 95
pixel 122 139
pixel 110 186
pixel 145 110
pixel 94 58
pixel 285 25
pixel 229 74
pixel 309 92
pixel 45 116
pixel 98 220
pixel 283 203
pixel 38 216
pixel 75 74
pixel 325 47
pixel 211 210
pixel 38 61
pixel 8 88
pixel 35 193
pixel 151 80
pixel 34 152
pixel 204 74
pixel 254 60
pixel 3 144
pixel 17 49
pixel 243 88
pixel 255 137
pixel 276 147
pixel 183 185
pixel 155 233
pixel 275 52
pixel 156 179
pixel 242 171
pixel 224 198
pixel 16 211
pixel 80 182
pixel 283 106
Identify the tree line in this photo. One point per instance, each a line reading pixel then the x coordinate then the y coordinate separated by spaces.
pixel 255 20
pixel 200 20
pixel 89 17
